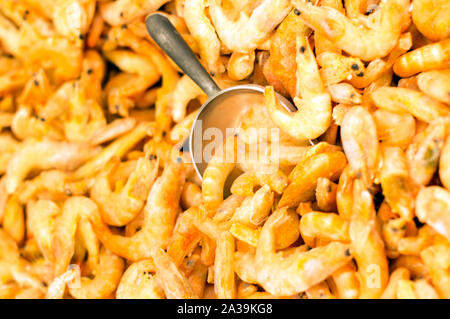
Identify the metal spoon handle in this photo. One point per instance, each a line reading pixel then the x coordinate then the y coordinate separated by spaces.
pixel 168 38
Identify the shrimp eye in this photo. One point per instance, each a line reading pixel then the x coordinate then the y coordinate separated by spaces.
pixel 355 67
pixel 296 12
pixel 302 49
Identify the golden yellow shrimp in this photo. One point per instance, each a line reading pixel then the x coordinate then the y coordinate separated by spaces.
pixel 433 207
pixel 117 148
pixel 191 196
pixel 374 42
pixel 224 281
pixel 140 74
pixel 278 68
pixel 246 33
pixel 444 165
pixel 118 208
pixel 76 211
pixel 139 282
pixel 216 173
pixel 185 91
pixel 185 235
pixel 360 142
pixel 326 195
pixel 245 184
pixel 337 67
pixel 328 226
pixel 255 209
pixel 394 176
pixel 47 155
pixel 124 11
pixel 113 130
pixel 394 129
pixel 287 275
pixel 57 287
pixel 72 18
pixel 436 84
pixel 8 145
pixel 344 93
pixel 423 153
pixel 108 273
pixel 304 182
pixel 204 33
pixel 436 259
pixel 401 100
pixel 391 289
pixel 240 66
pixel 367 245
pixel 160 213
pixel 25 125
pixel 171 279
pixel 314 107
pixel 429 57
pixel 431 18
pixel 346 282
pixel 41 223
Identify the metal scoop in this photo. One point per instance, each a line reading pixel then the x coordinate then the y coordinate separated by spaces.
pixel 223 108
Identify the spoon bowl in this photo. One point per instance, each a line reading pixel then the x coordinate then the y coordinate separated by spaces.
pixel 224 108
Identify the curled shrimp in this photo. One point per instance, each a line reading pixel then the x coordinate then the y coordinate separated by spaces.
pixel 344 93
pixel 400 100
pixel 245 183
pixel 444 165
pixel 304 179
pixel 124 11
pixel 108 273
pixel 120 207
pixel 423 153
pixel 203 32
pixel 394 176
pixel 288 275
pixel 328 226
pixel 394 129
pixel 246 33
pixel 366 243
pixel 375 41
pixel 139 282
pixel 240 65
pixel 281 62
pixel 160 213
pixel 171 279
pixel 436 260
pixel 337 67
pixel 25 125
pixel 433 207
pixel 216 173
pixel 41 223
pixel 431 18
pixel 429 57
pixel 436 84
pixel 255 209
pixel 47 155
pixel 117 148
pixel 314 107
pixel 8 145
pixel 72 18
pixel 185 91
pixel 76 211
pixel 360 142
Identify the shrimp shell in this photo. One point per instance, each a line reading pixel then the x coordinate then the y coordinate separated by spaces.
pixel 47 154
pixel 138 282
pixel 436 84
pixel 433 208
pixel 429 57
pixel 431 18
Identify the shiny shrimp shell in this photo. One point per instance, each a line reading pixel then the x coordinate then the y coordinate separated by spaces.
pixel 373 42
